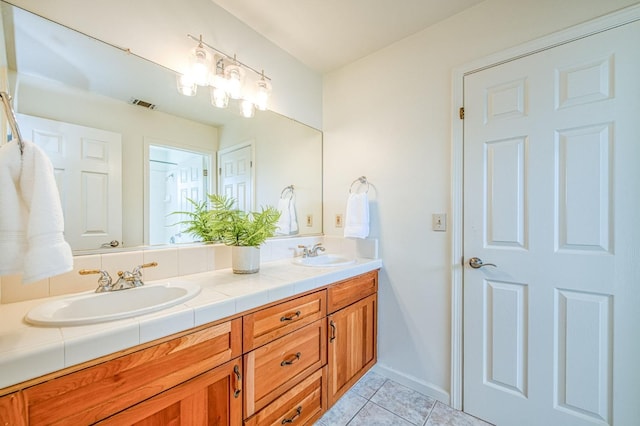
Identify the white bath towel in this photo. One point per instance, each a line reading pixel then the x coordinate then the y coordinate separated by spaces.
pixel 288 221
pixel 31 221
pixel 357 217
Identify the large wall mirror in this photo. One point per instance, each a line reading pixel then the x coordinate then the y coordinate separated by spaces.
pixel 144 161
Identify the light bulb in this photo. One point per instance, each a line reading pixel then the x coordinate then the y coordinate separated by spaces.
pixel 262 94
pixel 219 97
pixel 235 79
pixel 200 66
pixel 186 85
pixel 248 109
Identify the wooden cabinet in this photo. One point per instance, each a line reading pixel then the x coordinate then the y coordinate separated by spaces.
pixel 272 369
pixel 270 323
pixel 95 393
pixel 285 363
pixel 12 410
pixel 352 333
pixel 212 398
pixel 302 404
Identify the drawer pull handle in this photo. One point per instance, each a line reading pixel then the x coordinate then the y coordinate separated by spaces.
pixel 238 388
pixel 291 360
pixel 291 317
pixel 295 416
pixel 333 331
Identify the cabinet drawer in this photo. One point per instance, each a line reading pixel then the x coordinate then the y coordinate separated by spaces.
pixel 268 324
pixel 302 404
pixel 346 292
pixel 275 367
pixel 95 393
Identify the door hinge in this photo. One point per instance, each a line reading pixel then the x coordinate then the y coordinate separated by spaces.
pixel 220 171
pixel 205 172
pixel 461 113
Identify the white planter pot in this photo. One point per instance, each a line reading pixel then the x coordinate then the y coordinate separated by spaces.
pixel 245 260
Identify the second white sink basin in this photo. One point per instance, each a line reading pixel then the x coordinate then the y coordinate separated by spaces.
pixel 324 260
pixel 91 308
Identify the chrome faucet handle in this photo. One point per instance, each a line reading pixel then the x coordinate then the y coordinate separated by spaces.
pixel 136 270
pixel 314 250
pixel 305 250
pixel 104 282
pixel 134 278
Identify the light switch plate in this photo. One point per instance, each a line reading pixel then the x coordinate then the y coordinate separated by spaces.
pixel 439 222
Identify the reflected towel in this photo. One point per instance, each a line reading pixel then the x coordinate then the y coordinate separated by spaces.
pixel 31 221
pixel 288 222
pixel 357 217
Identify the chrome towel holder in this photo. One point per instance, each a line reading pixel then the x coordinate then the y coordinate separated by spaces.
pixel 11 118
pixel 288 190
pixel 362 180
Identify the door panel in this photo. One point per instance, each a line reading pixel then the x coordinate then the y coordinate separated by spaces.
pixel 88 165
pixel 551 195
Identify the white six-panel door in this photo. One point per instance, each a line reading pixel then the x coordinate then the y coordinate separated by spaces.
pixel 235 174
pixel 552 198
pixel 88 169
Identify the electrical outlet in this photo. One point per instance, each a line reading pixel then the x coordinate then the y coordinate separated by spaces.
pixel 309 220
pixel 439 222
pixel 338 221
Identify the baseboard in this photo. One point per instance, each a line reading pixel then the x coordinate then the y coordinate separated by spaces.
pixel 423 387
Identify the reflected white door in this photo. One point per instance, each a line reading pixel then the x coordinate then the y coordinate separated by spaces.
pixel 88 168
pixel 551 196
pixel 235 171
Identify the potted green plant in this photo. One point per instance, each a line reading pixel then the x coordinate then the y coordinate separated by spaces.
pixel 198 221
pixel 223 222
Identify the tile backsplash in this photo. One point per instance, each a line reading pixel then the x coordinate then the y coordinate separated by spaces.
pixel 172 261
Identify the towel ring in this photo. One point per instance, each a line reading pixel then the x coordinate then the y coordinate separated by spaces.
pixel 288 190
pixel 362 180
pixel 11 118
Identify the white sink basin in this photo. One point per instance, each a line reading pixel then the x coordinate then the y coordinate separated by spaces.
pixel 91 308
pixel 324 260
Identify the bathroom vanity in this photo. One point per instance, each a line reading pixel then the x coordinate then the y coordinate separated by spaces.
pixel 284 362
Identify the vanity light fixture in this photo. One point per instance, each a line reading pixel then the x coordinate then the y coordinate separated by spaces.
pixel 227 80
pixel 263 92
pixel 200 65
pixel 247 108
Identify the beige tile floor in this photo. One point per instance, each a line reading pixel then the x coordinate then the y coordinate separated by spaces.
pixel 378 401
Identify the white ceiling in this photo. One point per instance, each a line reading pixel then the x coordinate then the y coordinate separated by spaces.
pixel 328 34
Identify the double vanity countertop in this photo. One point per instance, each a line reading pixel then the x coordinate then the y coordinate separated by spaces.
pixel 28 351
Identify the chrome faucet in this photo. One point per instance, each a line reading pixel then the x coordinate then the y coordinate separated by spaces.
pixel 104 282
pixel 125 280
pixel 131 279
pixel 311 252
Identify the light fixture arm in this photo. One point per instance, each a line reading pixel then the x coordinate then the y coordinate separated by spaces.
pixel 228 57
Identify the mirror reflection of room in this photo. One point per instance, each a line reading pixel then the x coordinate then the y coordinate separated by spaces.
pixel 70 79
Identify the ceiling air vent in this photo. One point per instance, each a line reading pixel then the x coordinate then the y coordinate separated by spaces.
pixel 142 103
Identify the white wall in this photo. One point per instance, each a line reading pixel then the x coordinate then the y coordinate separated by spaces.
pixel 157 30
pixel 388 116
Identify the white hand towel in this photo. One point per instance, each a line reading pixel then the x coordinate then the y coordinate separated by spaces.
pixel 293 217
pixel 288 222
pixel 284 222
pixel 31 221
pixel 357 217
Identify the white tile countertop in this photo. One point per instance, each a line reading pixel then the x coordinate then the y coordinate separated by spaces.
pixel 28 351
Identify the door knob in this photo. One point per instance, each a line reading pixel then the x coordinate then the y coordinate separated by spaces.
pixel 477 263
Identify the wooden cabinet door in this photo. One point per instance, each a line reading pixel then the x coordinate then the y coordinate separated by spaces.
pixel 352 345
pixel 212 399
pixel 12 410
